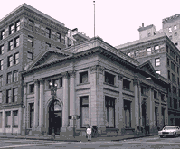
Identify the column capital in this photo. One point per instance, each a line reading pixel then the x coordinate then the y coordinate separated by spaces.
pixel 25 84
pixel 120 76
pixel 65 75
pixel 97 68
pixel 41 80
pixel 35 81
pixel 72 73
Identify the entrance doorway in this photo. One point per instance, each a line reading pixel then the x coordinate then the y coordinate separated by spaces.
pixel 55 118
pixel 144 116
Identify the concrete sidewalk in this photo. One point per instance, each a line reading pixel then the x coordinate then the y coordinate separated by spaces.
pixel 78 138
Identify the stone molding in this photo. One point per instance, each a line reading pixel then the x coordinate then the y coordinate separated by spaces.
pixel 41 80
pixel 35 81
pixel 120 77
pixel 97 68
pixel 72 73
pixel 65 75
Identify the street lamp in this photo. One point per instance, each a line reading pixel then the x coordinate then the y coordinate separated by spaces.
pixel 53 93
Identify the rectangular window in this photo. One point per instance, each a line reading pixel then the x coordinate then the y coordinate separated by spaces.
pixel 15 94
pixel 127 110
pixel 8 96
pixel 17 26
pixel 84 77
pixel 179 92
pixel 10 45
pixel 177 58
pixel 0 97
pixel 2 49
pixel 158 71
pixel 157 61
pixel 30 55
pixel 1 80
pixel 169 75
pixel 170 101
pixel 16 58
pixel 48 32
pixel 84 111
pixel 174 90
pixel 31 21
pixel 167 61
pixel 10 61
pixel 156 47
pixel 30 40
pixel 59 37
pixel 109 78
pixel 162 97
pixel 58 48
pixel 2 35
pixel 8 119
pixel 175 103
pixel 148 51
pixel 31 105
pixel 126 84
pixel 178 80
pixel 16 42
pixel 143 90
pixel 156 115
pixel 178 70
pixel 9 77
pixel 15 76
pixel 11 29
pixel 170 29
pixel 1 64
pixel 31 88
pixel 172 66
pixel 173 78
pixel 110 111
pixel 15 122
pixel 155 94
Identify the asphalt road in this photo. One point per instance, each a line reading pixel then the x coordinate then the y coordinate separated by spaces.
pixel 139 143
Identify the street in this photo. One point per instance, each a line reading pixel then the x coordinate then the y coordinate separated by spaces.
pixel 147 142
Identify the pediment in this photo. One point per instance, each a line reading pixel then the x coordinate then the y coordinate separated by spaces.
pixel 148 68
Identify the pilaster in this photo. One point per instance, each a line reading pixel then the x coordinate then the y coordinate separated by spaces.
pixel 4 120
pixel 12 120
pixel 25 109
pixel 35 104
pixel 41 103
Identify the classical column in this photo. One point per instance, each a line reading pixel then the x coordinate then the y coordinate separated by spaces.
pixel 41 103
pixel 72 98
pixel 25 108
pixel 136 104
pixel 119 106
pixel 35 103
pixel 65 102
pixel 4 121
pixel 140 105
pixel 12 120
pixel 20 119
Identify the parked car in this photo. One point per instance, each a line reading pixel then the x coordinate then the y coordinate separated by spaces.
pixel 169 131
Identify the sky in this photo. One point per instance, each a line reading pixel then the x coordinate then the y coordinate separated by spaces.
pixel 116 21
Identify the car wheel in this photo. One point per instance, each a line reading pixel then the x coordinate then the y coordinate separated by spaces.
pixel 175 134
pixel 160 136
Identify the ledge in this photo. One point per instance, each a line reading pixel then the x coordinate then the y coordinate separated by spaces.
pixel 110 84
pixel 112 129
pixel 83 83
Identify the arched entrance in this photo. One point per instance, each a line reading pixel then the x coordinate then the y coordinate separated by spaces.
pixel 57 115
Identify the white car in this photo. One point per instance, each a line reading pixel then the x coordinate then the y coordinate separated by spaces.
pixel 169 131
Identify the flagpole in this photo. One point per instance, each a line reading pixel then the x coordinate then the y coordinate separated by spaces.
pixel 94 18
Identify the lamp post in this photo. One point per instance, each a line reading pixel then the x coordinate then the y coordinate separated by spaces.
pixel 53 93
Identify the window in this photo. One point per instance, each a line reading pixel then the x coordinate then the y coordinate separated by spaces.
pixel 16 58
pixel 1 64
pixel 68 42
pixel 10 61
pixel 0 97
pixel 15 76
pixel 84 77
pixel 10 44
pixel 167 61
pixel 143 90
pixel 58 48
pixel 31 88
pixel 11 29
pixel 169 75
pixel 158 71
pixel 177 70
pixel 179 92
pixel 156 115
pixel 84 111
pixel 170 29
pixel 173 78
pixel 170 101
pixel 109 78
pixel 15 93
pixel 148 51
pixel 2 35
pixel 9 77
pixel 163 115
pixel 16 42
pixel 2 49
pixel 157 61
pixel 149 34
pixel 17 26
pixel 30 55
pixel 162 97
pixel 156 47
pixel 177 58
pixel 167 49
pixel 1 80
pixel 129 54
pixel 175 27
pixel 110 111
pixel 175 103
pixel 15 122
pixel 174 90
pixel 126 84
pixel 178 80
pixel 59 37
pixel 30 40
pixel 155 94
pixel 31 21
pixel 8 96
pixel 48 32
pixel 31 105
pixel 8 119
pixel 48 44
pixel 172 66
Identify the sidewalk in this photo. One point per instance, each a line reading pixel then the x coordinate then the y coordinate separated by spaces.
pixel 78 138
